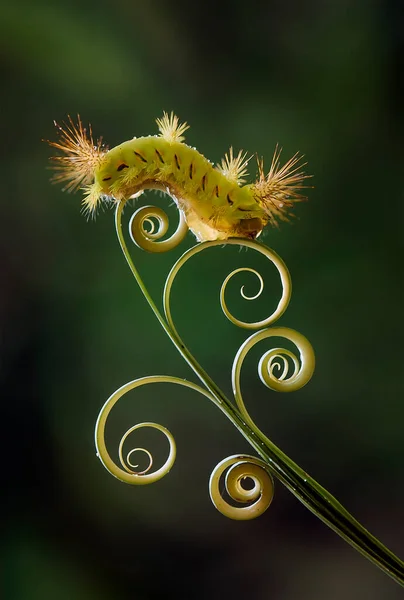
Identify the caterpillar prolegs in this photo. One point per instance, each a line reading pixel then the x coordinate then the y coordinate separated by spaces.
pixel 214 199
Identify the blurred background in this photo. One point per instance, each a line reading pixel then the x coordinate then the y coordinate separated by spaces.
pixel 318 77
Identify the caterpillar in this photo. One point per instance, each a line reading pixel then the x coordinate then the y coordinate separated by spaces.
pixel 216 201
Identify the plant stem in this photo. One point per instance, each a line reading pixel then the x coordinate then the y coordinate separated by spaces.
pixel 316 498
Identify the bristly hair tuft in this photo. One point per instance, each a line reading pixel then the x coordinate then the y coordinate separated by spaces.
pixel 81 155
pixel 234 167
pixel 170 128
pixel 280 188
pixel 91 201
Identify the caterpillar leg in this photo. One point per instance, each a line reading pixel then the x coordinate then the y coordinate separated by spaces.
pixel 249 228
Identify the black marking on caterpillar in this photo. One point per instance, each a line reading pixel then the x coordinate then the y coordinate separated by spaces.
pixel 140 156
pixel 159 155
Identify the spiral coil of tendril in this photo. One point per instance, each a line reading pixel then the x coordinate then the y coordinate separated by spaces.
pixel 148 239
pixel 126 473
pixel 147 226
pixel 241 467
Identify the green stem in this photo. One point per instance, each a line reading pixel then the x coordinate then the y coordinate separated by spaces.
pixel 316 498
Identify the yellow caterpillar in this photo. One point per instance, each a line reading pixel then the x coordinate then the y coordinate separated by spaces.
pixel 215 203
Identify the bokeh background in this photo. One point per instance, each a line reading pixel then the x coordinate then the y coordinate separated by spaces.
pixel 319 77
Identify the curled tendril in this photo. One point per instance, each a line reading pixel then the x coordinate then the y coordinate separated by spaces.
pixel 127 463
pixel 269 254
pixel 271 360
pixel 157 221
pixel 276 358
pixel 127 474
pixel 242 292
pixel 242 467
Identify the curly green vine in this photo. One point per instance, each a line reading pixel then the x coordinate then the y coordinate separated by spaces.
pixel 147 239
pixel 258 498
pixel 279 369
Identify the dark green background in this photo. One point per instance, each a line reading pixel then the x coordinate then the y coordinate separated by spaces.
pixel 319 77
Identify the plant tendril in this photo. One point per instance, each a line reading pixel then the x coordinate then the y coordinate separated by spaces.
pixel 148 239
pixel 273 370
pixel 259 496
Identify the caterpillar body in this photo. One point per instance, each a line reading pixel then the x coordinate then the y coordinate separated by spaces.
pixel 213 199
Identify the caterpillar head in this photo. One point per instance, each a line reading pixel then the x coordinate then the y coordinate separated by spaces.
pixel 81 158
